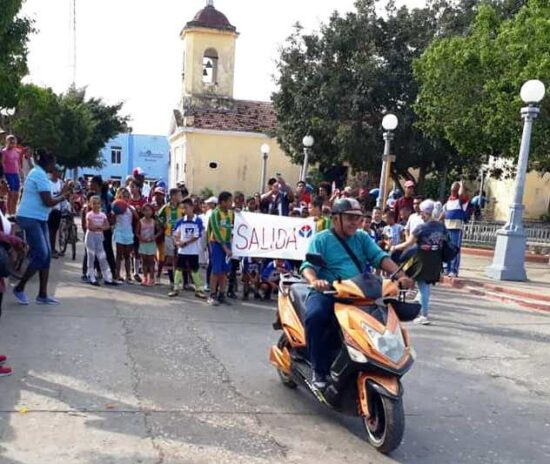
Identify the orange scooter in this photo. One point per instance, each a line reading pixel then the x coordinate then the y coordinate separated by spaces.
pixel 373 354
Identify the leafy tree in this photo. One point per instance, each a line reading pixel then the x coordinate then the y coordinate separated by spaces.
pixel 71 126
pixel 37 118
pixel 14 33
pixel 87 125
pixel 470 84
pixel 338 83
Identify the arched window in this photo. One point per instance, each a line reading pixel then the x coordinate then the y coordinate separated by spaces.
pixel 210 66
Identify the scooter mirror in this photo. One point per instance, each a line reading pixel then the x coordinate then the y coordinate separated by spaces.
pixel 316 259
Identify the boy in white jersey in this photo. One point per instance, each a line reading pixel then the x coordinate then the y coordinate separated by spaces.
pixel 187 235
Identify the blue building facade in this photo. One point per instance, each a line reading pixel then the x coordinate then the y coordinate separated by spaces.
pixel 125 152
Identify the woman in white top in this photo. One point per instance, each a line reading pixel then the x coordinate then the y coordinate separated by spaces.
pixel 54 219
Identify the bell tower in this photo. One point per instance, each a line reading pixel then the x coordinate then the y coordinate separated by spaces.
pixel 209 42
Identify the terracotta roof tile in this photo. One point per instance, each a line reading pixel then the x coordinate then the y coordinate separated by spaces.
pixel 211 18
pixel 240 115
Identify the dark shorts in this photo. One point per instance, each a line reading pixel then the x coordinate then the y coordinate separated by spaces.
pixel 188 263
pixel 14 182
pixel 37 236
pixel 218 258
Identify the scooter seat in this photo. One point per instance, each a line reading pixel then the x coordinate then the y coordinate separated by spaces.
pixel 298 295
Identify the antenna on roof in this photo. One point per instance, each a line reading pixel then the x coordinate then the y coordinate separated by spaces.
pixel 74 41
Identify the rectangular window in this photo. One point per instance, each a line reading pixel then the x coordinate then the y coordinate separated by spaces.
pixel 116 155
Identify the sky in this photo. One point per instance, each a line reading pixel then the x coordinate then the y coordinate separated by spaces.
pixel 130 51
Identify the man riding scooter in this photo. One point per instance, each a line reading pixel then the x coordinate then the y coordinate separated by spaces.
pixel 347 252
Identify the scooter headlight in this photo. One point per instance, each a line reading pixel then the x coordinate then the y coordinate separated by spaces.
pixel 390 344
pixel 356 355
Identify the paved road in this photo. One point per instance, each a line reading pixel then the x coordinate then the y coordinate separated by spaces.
pixel 128 376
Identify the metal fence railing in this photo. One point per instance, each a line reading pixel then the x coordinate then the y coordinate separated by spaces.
pixel 485 234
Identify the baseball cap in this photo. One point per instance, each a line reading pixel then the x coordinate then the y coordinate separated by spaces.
pixel 347 206
pixel 160 190
pixel 212 200
pixel 138 172
pixel 409 183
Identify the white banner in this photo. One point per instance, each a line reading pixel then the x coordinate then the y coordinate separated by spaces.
pixel 267 236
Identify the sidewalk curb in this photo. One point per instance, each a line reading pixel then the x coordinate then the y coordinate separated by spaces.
pixel 498 293
pixel 487 253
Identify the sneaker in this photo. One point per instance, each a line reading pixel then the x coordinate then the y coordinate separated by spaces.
pixel 137 278
pixel 212 301
pixel 188 288
pixel 232 295
pixel 112 283
pixel 95 283
pixel 21 297
pixel 423 320
pixel 84 278
pixel 47 300
pixel 319 381
pixel 3 358
pixel 157 281
pixel 453 275
pixel 200 294
pixel 173 293
pixel 5 371
pixel 206 289
pixel 225 301
pixel 55 255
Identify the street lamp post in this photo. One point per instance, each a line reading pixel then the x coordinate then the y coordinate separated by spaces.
pixel 509 258
pixel 389 123
pixel 308 142
pixel 264 151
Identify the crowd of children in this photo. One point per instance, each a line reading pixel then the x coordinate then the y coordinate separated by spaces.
pixel 186 238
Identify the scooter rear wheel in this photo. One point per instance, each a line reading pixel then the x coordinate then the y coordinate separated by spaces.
pixel 386 425
pixel 285 378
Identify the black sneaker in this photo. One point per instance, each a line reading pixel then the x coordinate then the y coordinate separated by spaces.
pixel 319 380
pixel 231 295
pixel 137 278
pixel 225 301
pixel 112 283
pixel 95 283
pixel 84 278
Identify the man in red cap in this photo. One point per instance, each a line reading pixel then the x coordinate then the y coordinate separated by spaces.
pixel 407 200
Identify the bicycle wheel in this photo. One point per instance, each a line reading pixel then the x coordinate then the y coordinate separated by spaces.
pixel 63 236
pixel 73 234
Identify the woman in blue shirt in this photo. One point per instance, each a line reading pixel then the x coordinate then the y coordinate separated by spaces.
pixel 32 216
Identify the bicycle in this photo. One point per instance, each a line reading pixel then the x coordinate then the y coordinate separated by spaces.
pixel 68 233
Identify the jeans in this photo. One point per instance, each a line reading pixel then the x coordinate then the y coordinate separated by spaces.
pixel 456 238
pixel 321 330
pixel 425 290
pixel 37 236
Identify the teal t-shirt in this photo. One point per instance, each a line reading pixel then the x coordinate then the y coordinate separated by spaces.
pixel 339 264
pixel 31 205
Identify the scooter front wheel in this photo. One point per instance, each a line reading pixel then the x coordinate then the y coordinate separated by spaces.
pixel 386 425
pixel 285 378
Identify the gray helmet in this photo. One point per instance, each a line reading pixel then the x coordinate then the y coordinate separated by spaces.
pixel 347 206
